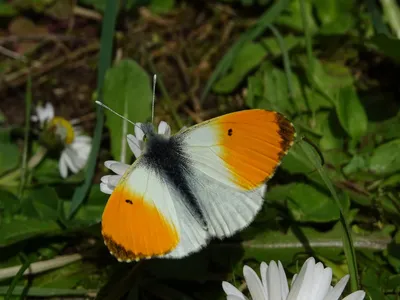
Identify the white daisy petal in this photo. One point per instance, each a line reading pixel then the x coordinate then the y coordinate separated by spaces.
pixel 116 166
pixel 337 291
pixel 111 180
pixel 135 145
pixel 302 281
pixel 62 166
pixel 284 283
pixel 231 297
pixel 69 160
pixel 263 272
pixel 105 188
pixel 358 295
pixel 77 129
pixel 316 281
pixel 312 283
pixel 230 290
pixel 254 284
pixel 83 139
pixel 139 134
pixel 49 111
pixel 77 160
pixel 74 121
pixel 324 283
pixel 274 287
pixel 163 128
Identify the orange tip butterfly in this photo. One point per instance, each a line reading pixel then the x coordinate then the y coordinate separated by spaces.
pixel 205 181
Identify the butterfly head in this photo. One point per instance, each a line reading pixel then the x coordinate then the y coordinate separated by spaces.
pixel 148 131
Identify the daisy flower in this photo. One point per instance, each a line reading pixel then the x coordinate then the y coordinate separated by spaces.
pixel 75 147
pixel 312 283
pixel 136 143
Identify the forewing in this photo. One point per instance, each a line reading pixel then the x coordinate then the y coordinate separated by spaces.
pixel 240 149
pixel 231 157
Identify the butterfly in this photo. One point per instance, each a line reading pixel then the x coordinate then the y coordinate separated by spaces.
pixel 206 181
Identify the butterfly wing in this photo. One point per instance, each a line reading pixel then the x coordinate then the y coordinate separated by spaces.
pixel 140 219
pixel 223 164
pixel 231 158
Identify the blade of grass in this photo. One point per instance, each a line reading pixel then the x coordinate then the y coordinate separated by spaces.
pixel 46 292
pixel 106 45
pixel 348 245
pixel 28 104
pixel 391 13
pixel 286 63
pixel 310 58
pixel 263 22
pixel 376 17
pixel 18 276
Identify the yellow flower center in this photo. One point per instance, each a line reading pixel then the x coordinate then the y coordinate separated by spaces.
pixel 63 129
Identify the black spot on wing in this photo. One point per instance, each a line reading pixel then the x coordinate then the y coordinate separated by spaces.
pixel 286 132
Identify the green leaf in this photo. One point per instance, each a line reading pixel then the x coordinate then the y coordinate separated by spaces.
pixel 68 276
pixel 47 172
pixel 276 96
pixel 9 205
pixel 326 77
pixel 336 16
pixel 268 89
pixel 92 210
pixel 341 25
pixel 7 10
pixel 272 46
pixel 308 204
pixel 351 113
pixel 262 24
pixel 385 159
pixel 248 57
pixel 327 10
pixel 332 133
pixel 97 4
pixel 9 157
pixel 127 89
pixel 293 17
pixel 356 164
pixel 161 6
pixel 43 202
pixel 21 228
pixel 386 45
pixel 295 162
pixel 44 292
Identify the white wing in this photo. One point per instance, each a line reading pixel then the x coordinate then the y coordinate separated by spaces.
pixel 146 217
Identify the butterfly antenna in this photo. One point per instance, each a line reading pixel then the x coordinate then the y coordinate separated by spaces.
pixel 113 111
pixel 154 97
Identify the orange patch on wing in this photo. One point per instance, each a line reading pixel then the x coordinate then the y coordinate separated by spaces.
pixel 254 143
pixel 134 229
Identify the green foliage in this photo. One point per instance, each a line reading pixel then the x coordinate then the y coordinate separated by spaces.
pixel 127 89
pixel 156 6
pixel 335 79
